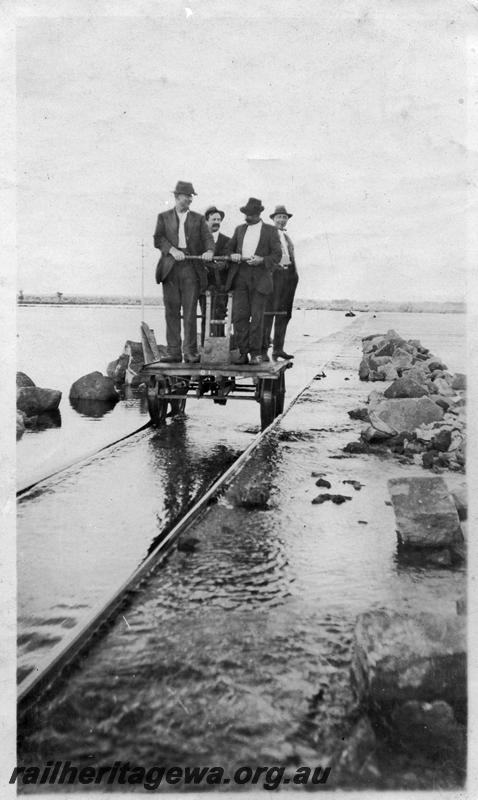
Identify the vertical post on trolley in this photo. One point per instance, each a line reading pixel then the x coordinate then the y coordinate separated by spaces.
pixel 142 280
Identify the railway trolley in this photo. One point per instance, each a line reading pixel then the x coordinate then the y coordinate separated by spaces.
pixel 214 377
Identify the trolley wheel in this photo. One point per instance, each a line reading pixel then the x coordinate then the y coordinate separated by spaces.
pixel 280 394
pixel 268 402
pixel 157 403
pixel 178 406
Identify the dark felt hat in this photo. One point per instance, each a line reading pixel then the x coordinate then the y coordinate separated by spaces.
pixel 253 206
pixel 280 210
pixel 183 187
pixel 213 210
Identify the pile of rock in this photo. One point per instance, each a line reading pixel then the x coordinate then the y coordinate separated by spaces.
pixel 36 406
pixel 387 355
pixel 410 676
pixel 421 414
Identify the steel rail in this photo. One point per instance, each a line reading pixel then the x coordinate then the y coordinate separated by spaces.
pixel 49 670
pixel 82 460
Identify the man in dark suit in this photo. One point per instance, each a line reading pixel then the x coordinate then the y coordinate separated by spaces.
pixel 255 252
pixel 179 233
pixel 281 300
pixel 216 275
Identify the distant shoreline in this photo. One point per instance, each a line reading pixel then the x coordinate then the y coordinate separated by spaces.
pixel 300 304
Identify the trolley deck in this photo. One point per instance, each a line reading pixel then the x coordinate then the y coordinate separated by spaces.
pixel 171 384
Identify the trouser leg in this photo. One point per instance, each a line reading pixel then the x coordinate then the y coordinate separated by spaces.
pixel 189 302
pixel 202 306
pixel 172 313
pixel 281 297
pixel 256 327
pixel 268 320
pixel 241 313
pixel 218 308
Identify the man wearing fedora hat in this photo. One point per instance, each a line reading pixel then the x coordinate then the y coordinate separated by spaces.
pixel 181 233
pixel 255 252
pixel 280 302
pixel 216 275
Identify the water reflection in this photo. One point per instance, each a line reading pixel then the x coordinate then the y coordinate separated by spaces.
pixel 47 420
pixel 240 561
pixel 186 472
pixel 93 408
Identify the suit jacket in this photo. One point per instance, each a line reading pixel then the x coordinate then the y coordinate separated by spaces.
pixel 221 245
pixel 198 240
pixel 268 247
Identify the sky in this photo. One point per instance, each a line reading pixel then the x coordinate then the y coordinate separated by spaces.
pixel 351 113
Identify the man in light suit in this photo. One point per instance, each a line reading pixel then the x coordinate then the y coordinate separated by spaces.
pixel 179 233
pixel 216 275
pixel 255 253
pixel 285 283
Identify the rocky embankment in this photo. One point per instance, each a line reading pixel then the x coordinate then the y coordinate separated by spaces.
pixel 421 414
pixel 410 670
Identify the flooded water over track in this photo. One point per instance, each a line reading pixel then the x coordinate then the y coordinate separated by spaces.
pixel 237 650
pixel 81 534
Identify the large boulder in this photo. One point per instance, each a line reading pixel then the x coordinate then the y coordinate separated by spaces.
pixel 364 369
pixel 93 408
pixel 400 657
pixel 354 761
pixel 134 352
pixel 434 364
pixel 430 728
pixel 33 400
pixel 117 369
pixel 94 386
pixel 441 386
pixel 418 374
pixel 388 372
pixel 442 440
pixel 20 425
pixel 460 498
pixel 387 348
pixel 23 380
pixel 377 361
pixel 425 512
pixel 459 381
pixel 404 414
pixel 405 387
pixel 402 359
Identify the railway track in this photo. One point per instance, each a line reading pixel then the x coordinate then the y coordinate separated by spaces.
pixel 62 657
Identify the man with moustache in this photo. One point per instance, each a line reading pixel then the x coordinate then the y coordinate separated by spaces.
pixel 216 275
pixel 285 283
pixel 181 233
pixel 255 252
